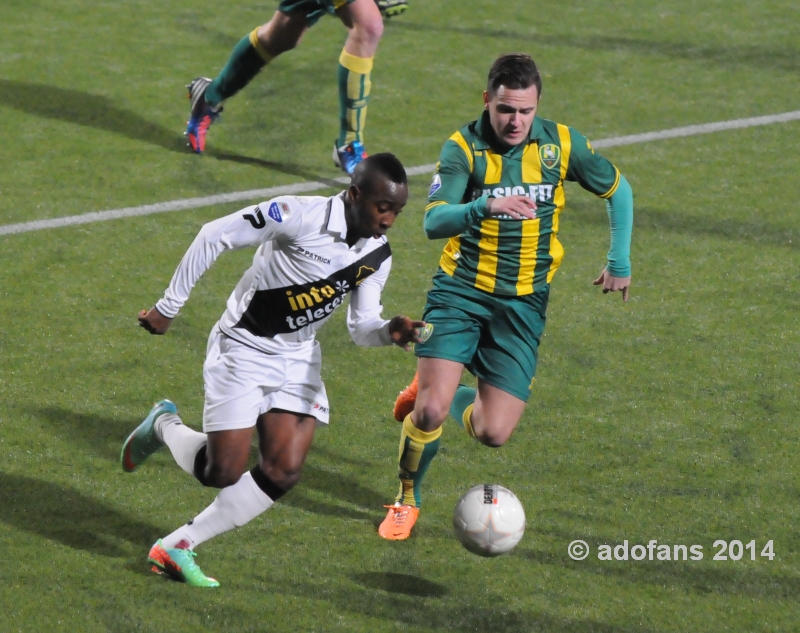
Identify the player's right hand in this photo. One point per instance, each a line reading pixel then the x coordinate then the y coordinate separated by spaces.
pixel 154 322
pixel 517 207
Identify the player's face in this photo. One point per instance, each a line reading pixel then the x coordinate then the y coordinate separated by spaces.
pixel 511 112
pixel 374 212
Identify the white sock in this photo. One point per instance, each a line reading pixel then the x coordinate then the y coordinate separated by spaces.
pixel 234 506
pixel 183 442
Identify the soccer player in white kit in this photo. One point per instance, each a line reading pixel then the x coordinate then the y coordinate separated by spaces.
pixel 262 367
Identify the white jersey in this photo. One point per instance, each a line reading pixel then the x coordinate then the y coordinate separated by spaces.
pixel 301 272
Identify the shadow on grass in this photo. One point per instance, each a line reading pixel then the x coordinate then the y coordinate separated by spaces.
pixel 103 436
pixel 396 598
pixel 339 487
pixel 83 108
pixel 100 435
pixel 784 59
pixel 400 583
pixel 60 513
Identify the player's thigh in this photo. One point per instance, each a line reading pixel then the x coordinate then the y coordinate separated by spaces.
pixel 360 13
pixel 227 455
pixel 438 381
pixel 302 391
pixel 508 351
pixel 496 414
pixel 283 32
pixel 284 438
pixel 236 379
pixel 310 10
pixel 454 314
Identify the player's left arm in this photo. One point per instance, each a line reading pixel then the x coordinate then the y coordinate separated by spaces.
pixel 366 326
pixel 599 176
pixel 247 227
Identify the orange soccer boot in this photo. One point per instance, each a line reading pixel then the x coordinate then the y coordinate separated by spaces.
pixel 406 400
pixel 398 522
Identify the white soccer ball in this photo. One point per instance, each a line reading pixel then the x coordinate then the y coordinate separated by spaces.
pixel 489 520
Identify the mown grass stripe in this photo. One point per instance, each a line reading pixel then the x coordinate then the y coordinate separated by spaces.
pixel 306 187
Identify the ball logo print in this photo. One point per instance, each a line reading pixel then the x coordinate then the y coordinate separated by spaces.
pixel 489 520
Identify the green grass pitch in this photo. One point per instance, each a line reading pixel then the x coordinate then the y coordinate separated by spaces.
pixel 673 417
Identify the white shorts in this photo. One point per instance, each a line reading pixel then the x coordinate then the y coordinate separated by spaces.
pixel 241 383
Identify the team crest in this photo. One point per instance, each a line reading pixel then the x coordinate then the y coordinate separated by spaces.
pixel 549 155
pixel 425 333
pixel 274 212
pixel 436 184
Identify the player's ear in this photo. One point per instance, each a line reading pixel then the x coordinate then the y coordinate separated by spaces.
pixel 354 193
pixel 485 99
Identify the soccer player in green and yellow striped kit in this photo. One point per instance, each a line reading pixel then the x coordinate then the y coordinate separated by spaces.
pixel 363 19
pixel 497 194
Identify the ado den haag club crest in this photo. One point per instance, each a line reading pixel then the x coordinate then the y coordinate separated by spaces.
pixel 549 155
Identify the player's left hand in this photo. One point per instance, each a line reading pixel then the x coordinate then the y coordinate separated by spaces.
pixel 405 331
pixel 154 322
pixel 612 284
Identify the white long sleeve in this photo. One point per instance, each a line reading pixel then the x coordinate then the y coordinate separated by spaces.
pixel 247 227
pixel 364 322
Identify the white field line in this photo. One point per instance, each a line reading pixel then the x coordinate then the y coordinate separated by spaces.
pixel 306 187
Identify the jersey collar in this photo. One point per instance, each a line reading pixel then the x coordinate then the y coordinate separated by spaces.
pixel 337 223
pixel 486 138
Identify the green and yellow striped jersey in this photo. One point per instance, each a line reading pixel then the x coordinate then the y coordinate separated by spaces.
pixel 499 254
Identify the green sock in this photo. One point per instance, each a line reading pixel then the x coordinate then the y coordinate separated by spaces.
pixel 417 450
pixel 246 60
pixel 464 397
pixel 354 87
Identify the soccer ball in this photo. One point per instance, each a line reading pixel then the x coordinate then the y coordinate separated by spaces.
pixel 489 520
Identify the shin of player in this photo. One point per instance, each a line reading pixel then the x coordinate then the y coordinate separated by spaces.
pixel 282 33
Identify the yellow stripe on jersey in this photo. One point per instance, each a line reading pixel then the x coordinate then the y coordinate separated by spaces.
pixel 487 255
pixel 494 168
pixel 531 164
pixel 556 251
pixel 450 255
pixel 529 245
pixel 611 191
pixel 566 148
pixel 459 139
pixel 436 203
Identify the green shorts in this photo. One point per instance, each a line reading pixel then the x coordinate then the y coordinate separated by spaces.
pixel 312 9
pixel 496 337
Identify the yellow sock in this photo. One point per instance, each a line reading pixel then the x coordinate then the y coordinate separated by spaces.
pixel 354 88
pixel 417 450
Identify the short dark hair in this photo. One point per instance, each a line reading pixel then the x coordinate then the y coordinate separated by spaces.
pixel 515 71
pixel 375 166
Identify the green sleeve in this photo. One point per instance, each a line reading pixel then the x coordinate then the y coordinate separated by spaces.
pixel 447 215
pixel 589 169
pixel 620 217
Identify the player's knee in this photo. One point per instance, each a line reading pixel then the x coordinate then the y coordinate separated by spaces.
pixel 277 42
pixel 370 31
pixel 221 475
pixel 284 476
pixel 428 416
pixel 493 438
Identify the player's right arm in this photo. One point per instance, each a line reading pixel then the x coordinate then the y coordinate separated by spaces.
pixel 251 226
pixel 447 215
